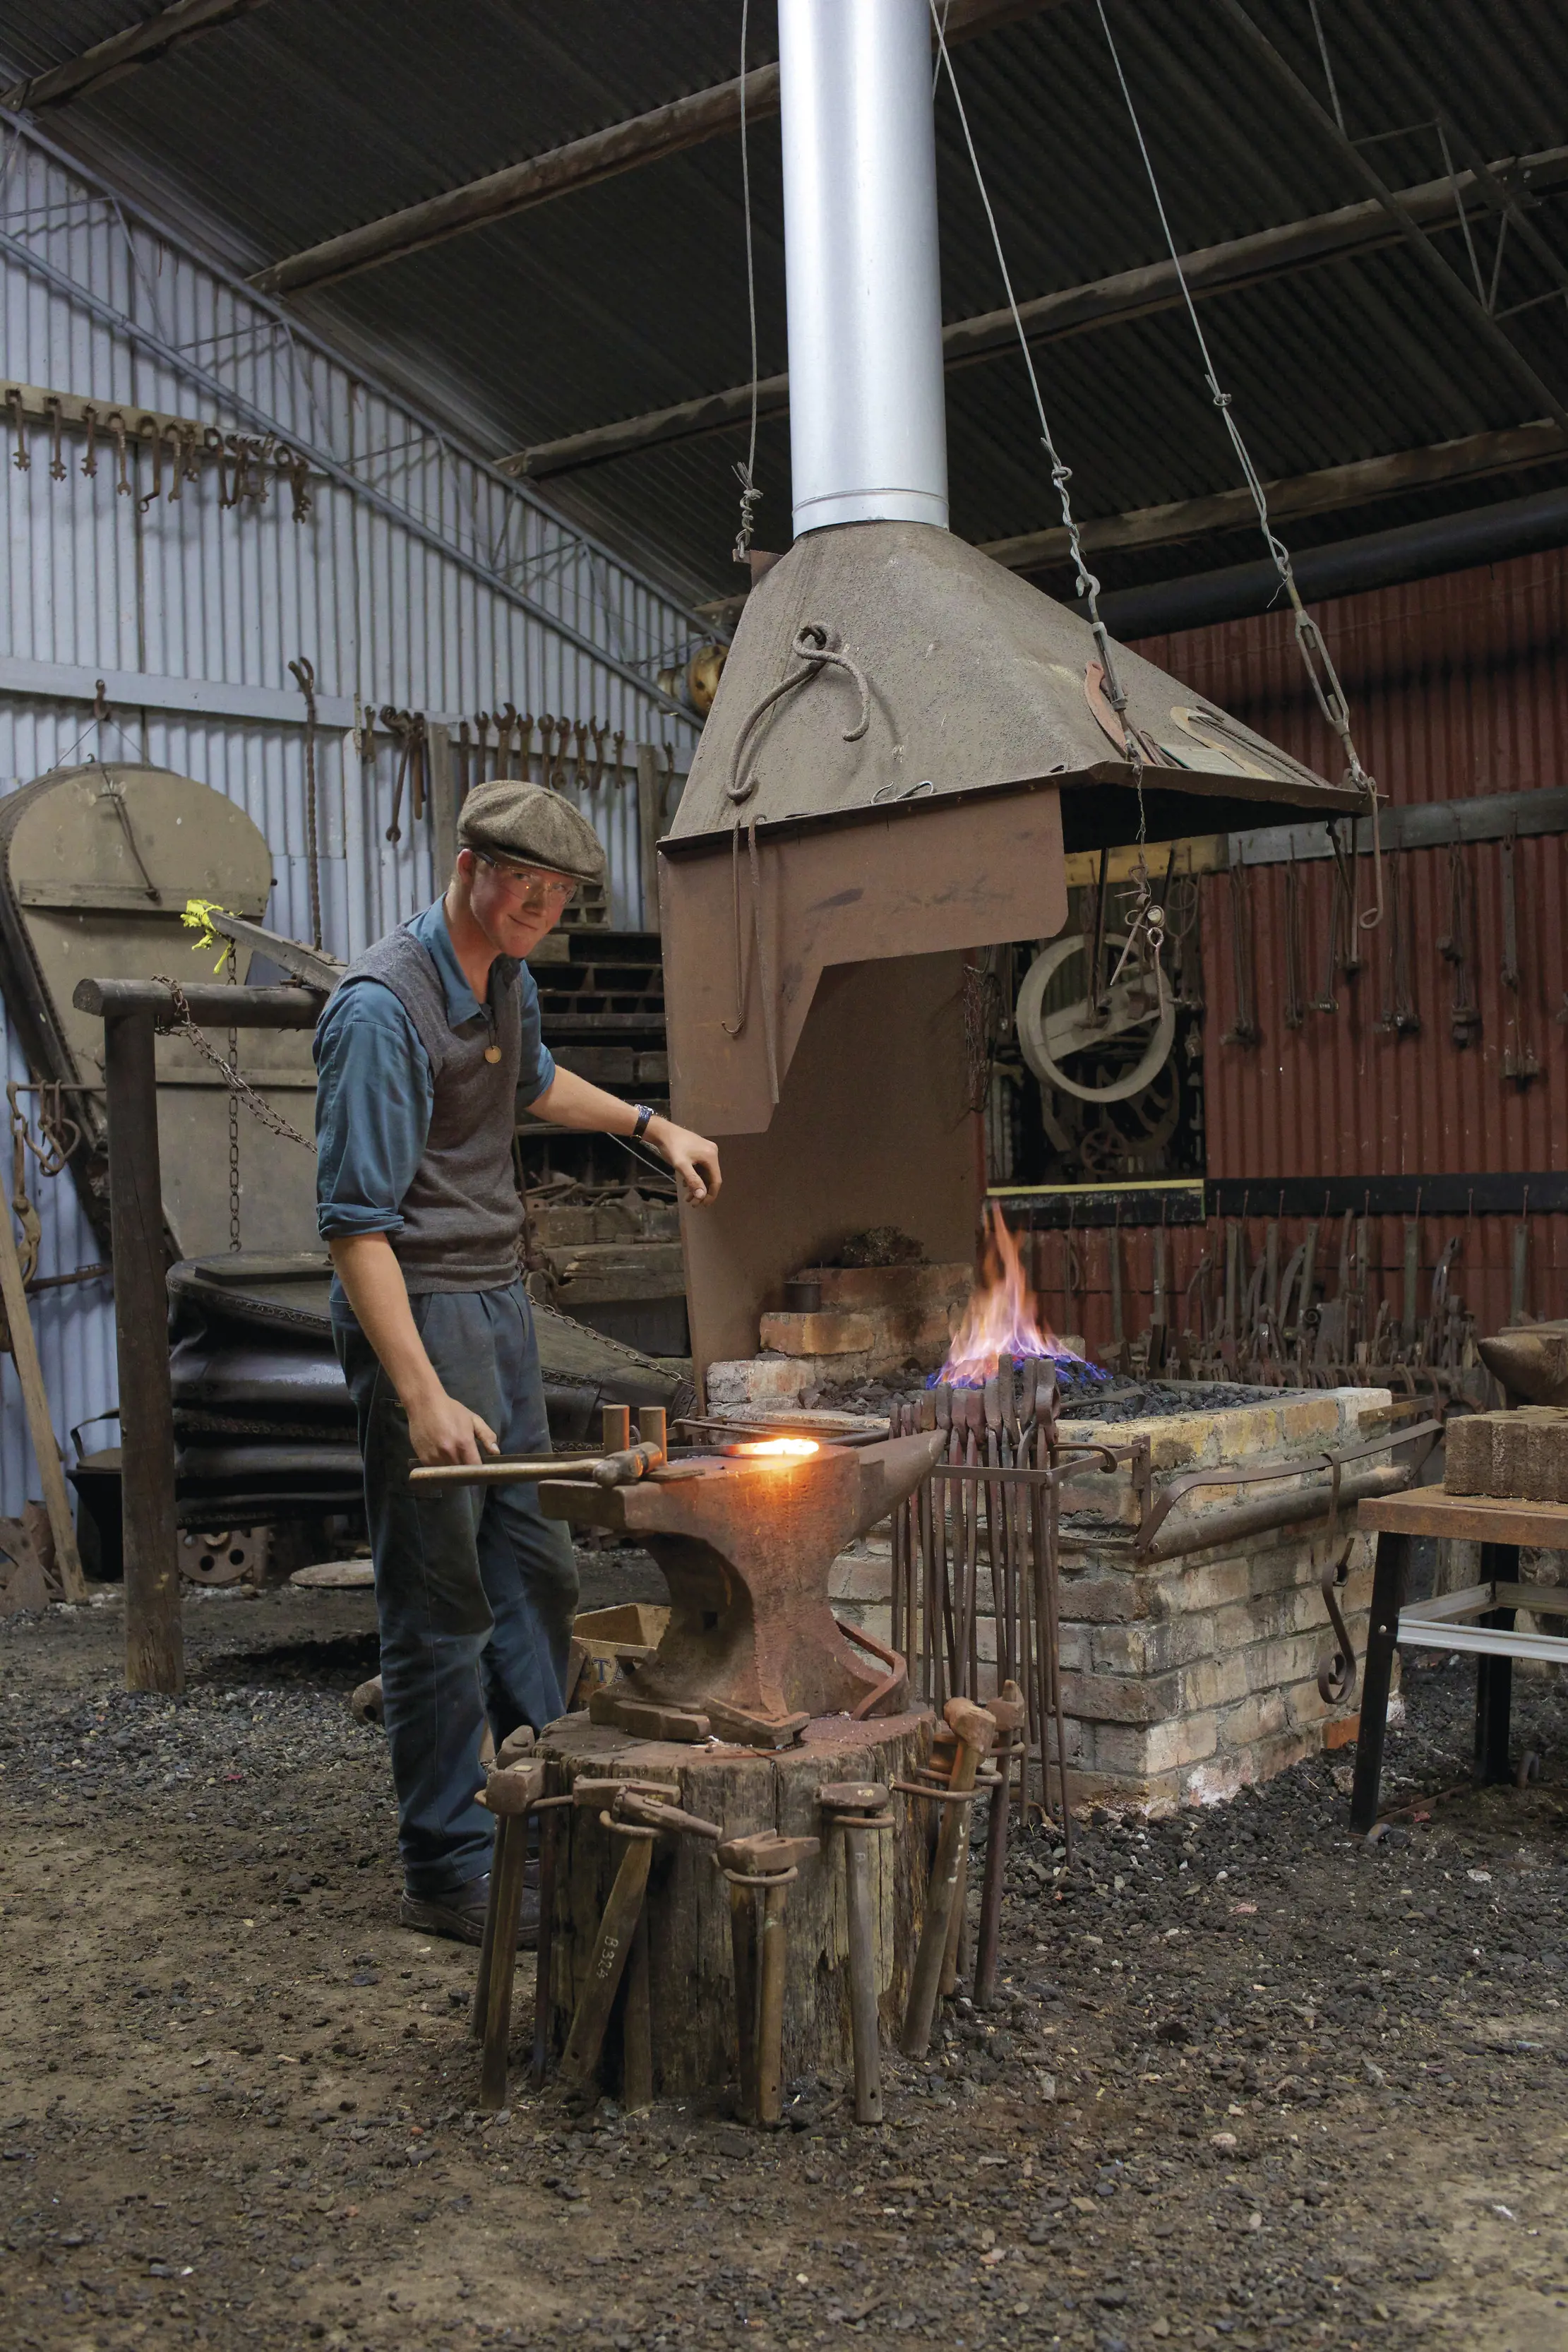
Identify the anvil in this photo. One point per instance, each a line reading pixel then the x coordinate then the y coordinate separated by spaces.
pixel 752 1650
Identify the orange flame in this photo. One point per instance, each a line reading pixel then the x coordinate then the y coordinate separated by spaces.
pixel 1001 1318
pixel 778 1449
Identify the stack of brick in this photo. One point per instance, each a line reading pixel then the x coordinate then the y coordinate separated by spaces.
pixel 871 1320
pixel 1521 1453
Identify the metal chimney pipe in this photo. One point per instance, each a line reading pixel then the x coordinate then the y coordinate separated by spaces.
pixel 867 426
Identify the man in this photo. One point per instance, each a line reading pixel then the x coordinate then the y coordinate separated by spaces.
pixel 423 1055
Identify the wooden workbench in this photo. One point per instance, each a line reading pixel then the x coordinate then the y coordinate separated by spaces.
pixel 1479 1619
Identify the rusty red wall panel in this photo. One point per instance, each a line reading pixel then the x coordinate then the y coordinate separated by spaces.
pixel 1458 686
pixel 1481 1276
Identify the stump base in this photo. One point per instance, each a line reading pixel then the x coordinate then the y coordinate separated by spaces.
pixel 691 1971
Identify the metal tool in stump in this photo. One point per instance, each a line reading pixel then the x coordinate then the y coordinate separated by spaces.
pixel 638 1812
pixel 1006 1711
pixel 511 1793
pixel 975 1732
pixel 859 1809
pixel 759 1870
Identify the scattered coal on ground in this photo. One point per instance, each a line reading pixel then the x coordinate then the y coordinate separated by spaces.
pixel 1247 2081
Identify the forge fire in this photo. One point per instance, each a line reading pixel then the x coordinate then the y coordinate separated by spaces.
pixel 1002 1319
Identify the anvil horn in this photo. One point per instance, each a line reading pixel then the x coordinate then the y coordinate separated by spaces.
pixel 892 1470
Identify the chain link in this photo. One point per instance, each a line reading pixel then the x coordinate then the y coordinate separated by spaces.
pixel 234 1116
pixel 240 1091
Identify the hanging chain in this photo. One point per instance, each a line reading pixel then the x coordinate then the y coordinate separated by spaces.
pixel 233 964
pixel 1061 473
pixel 746 468
pixel 304 674
pixel 185 1026
pixel 1315 656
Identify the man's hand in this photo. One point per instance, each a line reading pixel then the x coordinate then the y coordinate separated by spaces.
pixel 442 1430
pixel 693 1158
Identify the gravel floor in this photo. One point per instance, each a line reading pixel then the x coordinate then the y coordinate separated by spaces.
pixel 1248 2081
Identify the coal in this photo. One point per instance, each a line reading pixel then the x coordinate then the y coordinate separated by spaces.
pixel 1082 1395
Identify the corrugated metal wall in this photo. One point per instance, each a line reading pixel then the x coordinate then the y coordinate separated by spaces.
pixel 1071 1273
pixel 190 590
pixel 1459 687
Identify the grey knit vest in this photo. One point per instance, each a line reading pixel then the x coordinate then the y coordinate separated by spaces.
pixel 461 1218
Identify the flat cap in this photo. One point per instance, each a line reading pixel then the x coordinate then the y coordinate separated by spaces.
pixel 533 824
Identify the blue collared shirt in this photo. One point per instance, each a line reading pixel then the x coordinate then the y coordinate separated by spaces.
pixel 375 1089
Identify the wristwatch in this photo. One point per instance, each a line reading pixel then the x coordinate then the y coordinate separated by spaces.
pixel 643 1116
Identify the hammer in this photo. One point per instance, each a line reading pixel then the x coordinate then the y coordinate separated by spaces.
pixel 858 1806
pixel 766 1862
pixel 975 1732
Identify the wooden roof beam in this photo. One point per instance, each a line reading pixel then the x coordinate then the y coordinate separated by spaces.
pixel 582 164
pixel 1325 493
pixel 123 53
pixel 1344 234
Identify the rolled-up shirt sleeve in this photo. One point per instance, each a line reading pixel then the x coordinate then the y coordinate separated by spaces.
pixel 374 1095
pixel 535 1068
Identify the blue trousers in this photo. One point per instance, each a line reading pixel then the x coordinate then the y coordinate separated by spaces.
pixel 475 1588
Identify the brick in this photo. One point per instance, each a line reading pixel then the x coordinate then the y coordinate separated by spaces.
pixel 1183 1588
pixel 1466 1454
pixel 1077 1654
pixel 834 1332
pixel 1256 1719
pixel 906 1286
pixel 1153 1646
pixel 855 1576
pixel 1273 1665
pixel 1109 1597
pixel 1115 1698
pixel 757 1380
pixel 1213 1682
pixel 1163 1747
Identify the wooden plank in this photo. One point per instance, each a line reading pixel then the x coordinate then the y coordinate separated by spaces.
pixel 1126 295
pixel 1468 1518
pixel 126 52
pixel 154 1643
pixel 40 1428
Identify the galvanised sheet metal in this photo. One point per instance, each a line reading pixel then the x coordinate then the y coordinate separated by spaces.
pixel 1459 687
pixel 187 591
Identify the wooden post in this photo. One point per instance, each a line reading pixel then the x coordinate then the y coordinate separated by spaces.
pixel 650 825
pixel 444 798
pixel 154 1645
pixel 40 1428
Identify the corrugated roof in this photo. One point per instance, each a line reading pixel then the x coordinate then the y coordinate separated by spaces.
pixel 297 122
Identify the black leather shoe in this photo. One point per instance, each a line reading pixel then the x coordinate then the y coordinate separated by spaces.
pixel 460 1916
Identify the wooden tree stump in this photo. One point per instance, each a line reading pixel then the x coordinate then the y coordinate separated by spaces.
pixel 692 1981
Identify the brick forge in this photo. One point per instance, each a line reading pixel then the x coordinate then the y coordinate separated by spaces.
pixel 1184 1680
pixel 873 1321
